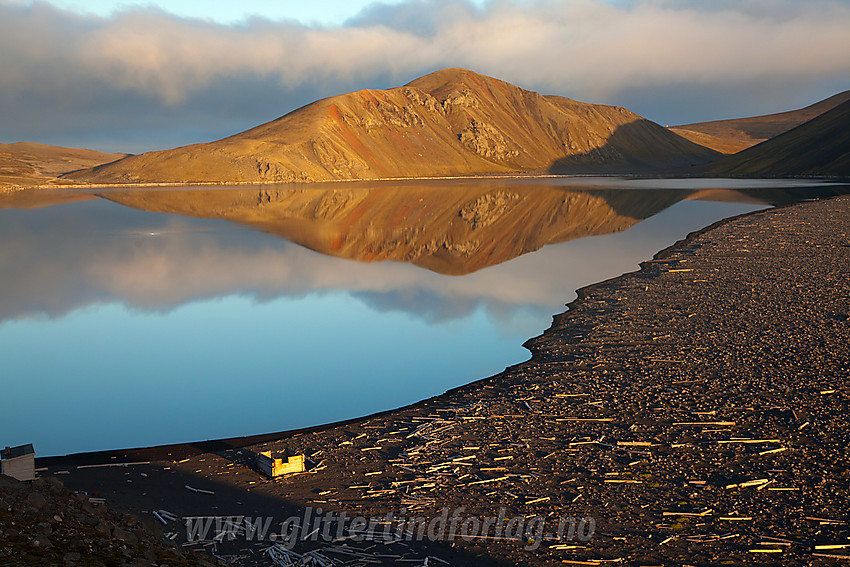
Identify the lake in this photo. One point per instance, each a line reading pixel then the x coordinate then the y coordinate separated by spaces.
pixel 142 317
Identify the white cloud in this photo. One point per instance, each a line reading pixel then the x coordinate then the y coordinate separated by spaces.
pixel 586 49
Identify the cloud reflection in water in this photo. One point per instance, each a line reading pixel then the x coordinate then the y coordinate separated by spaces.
pixel 171 328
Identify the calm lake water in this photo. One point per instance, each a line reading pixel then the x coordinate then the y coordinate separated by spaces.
pixel 159 316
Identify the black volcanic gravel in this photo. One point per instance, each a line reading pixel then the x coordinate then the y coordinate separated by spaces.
pixel 697 410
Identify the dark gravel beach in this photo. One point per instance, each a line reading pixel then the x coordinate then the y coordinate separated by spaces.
pixel 693 412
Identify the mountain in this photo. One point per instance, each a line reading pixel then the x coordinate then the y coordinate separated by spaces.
pixel 819 147
pixel 451 227
pixel 452 122
pixel 732 136
pixel 27 163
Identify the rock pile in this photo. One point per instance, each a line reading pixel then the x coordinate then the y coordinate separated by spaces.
pixel 44 523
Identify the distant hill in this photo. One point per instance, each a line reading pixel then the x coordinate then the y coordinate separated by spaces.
pixel 819 147
pixel 25 164
pixel 452 122
pixel 732 136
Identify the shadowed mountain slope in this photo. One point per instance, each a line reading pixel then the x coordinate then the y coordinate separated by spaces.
pixel 452 122
pixel 732 136
pixel 820 147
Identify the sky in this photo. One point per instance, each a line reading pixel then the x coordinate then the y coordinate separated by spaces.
pixel 132 77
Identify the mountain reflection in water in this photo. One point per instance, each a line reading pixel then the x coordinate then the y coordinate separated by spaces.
pixel 97 298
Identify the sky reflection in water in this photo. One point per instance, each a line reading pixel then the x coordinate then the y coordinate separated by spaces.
pixel 122 328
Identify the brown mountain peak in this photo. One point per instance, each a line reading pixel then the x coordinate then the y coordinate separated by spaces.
pixel 452 122
pixel 454 78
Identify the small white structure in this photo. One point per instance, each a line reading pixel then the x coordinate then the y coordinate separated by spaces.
pixel 277 467
pixel 18 462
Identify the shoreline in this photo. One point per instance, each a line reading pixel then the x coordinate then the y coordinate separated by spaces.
pixel 531 175
pixel 192 448
pixel 674 392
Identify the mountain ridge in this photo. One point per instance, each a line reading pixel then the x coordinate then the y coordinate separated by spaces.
pixel 819 147
pixel 734 135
